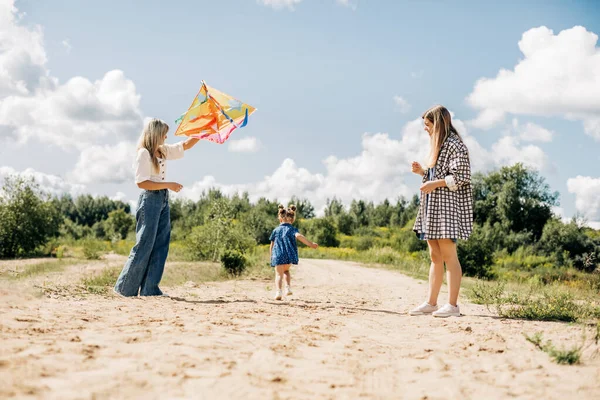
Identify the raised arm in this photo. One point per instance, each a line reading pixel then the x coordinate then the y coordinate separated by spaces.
pixel 307 242
pixel 191 142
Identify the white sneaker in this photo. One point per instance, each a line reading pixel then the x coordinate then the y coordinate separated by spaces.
pixel 288 291
pixel 447 311
pixel 423 309
pixel 278 295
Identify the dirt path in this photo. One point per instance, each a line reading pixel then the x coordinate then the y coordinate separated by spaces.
pixel 343 335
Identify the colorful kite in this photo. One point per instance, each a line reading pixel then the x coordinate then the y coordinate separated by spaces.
pixel 213 115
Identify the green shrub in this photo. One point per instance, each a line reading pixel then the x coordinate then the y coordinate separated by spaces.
pixel 476 254
pixel 92 249
pixel 28 219
pixel 233 262
pixel 322 231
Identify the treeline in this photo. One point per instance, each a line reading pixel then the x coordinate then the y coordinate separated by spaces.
pixel 512 213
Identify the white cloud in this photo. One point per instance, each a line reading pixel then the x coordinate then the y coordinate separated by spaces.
pixel 77 114
pixel 558 76
pixel 49 183
pixel 401 105
pixel 105 164
pixel 22 54
pixel 278 4
pixel 119 196
pixel 508 150
pixel 377 173
pixel 487 119
pixel 587 197
pixel 381 170
pixel 67 45
pixel 347 3
pixel 245 145
pixel 35 105
pixel 534 133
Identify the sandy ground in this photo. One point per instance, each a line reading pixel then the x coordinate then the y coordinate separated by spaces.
pixel 344 334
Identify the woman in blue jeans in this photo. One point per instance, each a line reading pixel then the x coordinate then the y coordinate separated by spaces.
pixel 144 267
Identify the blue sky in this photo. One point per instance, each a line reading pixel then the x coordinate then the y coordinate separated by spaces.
pixel 326 76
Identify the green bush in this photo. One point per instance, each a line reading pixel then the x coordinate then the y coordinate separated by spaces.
pixel 322 231
pixel 568 242
pixel 364 243
pixel 119 224
pixel 207 243
pixel 219 233
pixel 233 262
pixel 28 219
pixel 71 230
pixel 92 249
pixel 476 254
pixel 407 241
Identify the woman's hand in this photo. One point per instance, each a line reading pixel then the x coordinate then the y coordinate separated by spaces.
pixel 430 186
pixel 417 168
pixel 314 245
pixel 174 186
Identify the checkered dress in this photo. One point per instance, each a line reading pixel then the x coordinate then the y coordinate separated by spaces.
pixel 447 212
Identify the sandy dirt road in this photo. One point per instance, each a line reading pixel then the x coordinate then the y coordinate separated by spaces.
pixel 344 334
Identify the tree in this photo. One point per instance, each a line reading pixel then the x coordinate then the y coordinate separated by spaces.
pixel 398 215
pixel 334 207
pixel 517 197
pixel 28 217
pixel 358 210
pixel 90 210
pixel 323 231
pixel 304 209
pixel 345 223
pixel 260 225
pixel 558 238
pixel 219 233
pixel 382 214
pixel 119 224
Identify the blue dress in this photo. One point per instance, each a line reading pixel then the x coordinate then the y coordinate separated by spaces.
pixel 285 249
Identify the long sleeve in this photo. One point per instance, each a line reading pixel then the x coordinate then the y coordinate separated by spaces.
pixel 459 169
pixel 173 151
pixel 143 166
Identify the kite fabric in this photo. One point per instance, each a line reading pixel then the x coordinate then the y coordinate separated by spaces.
pixel 213 115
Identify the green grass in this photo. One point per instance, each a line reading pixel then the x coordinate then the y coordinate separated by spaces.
pixel 41 268
pixel 560 356
pixel 102 282
pixel 411 264
pixel 180 272
pixel 532 302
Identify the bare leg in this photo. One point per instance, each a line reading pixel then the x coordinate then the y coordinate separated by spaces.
pixel 279 276
pixel 448 250
pixel 436 271
pixel 288 276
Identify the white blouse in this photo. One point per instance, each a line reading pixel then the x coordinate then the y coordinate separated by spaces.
pixel 144 170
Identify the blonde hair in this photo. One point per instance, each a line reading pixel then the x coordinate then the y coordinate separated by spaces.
pixel 287 214
pixel 152 139
pixel 440 117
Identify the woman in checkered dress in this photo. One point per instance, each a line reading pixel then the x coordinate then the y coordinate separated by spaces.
pixel 446 209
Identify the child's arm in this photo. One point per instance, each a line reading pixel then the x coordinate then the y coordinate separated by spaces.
pixel 271 249
pixel 307 242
